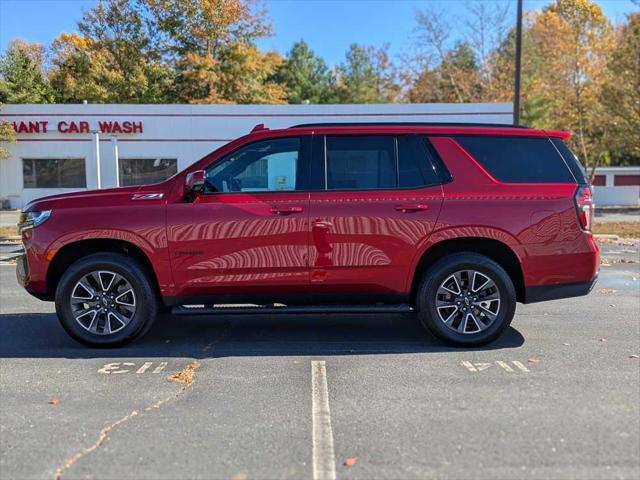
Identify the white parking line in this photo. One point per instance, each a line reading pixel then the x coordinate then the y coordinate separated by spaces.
pixel 324 464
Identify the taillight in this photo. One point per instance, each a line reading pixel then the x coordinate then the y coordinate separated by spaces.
pixel 584 206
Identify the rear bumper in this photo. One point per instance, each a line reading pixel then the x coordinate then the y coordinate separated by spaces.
pixel 542 293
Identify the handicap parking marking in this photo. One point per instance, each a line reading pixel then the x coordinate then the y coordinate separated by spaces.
pixel 505 366
pixel 114 368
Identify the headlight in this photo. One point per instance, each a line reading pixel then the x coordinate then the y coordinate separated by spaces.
pixel 32 219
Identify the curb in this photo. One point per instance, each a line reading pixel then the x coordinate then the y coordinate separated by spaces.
pixel 602 236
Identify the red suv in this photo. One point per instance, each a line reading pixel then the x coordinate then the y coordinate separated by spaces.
pixel 455 221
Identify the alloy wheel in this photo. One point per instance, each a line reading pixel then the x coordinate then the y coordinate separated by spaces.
pixel 103 302
pixel 468 301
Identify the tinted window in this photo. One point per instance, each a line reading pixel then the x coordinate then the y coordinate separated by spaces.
pixel 360 162
pixel 518 159
pixel 572 161
pixel 142 171
pixel 415 168
pixel 269 165
pixel 54 173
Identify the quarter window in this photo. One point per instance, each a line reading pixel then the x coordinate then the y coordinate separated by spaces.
pixel 142 171
pixel 265 166
pixel 518 159
pixel 54 173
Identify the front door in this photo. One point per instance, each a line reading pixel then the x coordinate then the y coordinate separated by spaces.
pixel 247 233
pixel 381 200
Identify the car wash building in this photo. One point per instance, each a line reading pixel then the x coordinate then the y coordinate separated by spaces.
pixel 63 148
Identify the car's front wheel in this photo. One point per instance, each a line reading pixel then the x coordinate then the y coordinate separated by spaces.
pixel 466 299
pixel 106 300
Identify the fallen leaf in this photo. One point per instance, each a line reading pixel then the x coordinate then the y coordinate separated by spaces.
pixel 603 339
pixel 633 356
pixel 187 375
pixel 566 344
pixel 54 401
pixel 607 291
pixel 534 360
pixel 350 462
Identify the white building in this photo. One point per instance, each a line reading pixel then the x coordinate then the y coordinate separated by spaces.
pixel 57 145
pixel 55 150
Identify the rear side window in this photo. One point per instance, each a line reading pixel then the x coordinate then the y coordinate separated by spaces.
pixel 572 161
pixel 360 162
pixel 518 159
pixel 414 166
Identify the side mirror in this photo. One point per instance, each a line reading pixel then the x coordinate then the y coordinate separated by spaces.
pixel 194 183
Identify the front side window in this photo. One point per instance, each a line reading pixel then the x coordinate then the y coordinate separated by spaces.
pixel 142 171
pixel 264 166
pixel 360 162
pixel 54 173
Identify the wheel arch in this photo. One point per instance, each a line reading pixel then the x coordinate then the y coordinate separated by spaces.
pixel 499 252
pixel 74 251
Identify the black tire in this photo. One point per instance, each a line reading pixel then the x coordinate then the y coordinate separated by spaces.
pixel 427 294
pixel 130 270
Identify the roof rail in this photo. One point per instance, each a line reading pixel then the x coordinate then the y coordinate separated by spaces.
pixel 413 124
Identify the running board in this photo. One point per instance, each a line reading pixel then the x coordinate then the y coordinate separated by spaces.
pixel 258 309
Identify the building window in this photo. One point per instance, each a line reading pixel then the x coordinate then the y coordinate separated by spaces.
pixel 54 173
pixel 142 171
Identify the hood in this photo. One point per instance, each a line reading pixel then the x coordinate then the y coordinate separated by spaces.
pixel 103 197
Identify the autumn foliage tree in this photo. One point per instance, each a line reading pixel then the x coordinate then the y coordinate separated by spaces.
pixel 579 72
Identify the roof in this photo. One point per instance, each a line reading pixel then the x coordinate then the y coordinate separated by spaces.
pixel 432 128
pixel 410 124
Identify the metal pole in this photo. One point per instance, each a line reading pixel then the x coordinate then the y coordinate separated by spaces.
pixel 96 141
pixel 518 66
pixel 114 143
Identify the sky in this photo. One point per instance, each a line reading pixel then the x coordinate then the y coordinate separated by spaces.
pixel 328 26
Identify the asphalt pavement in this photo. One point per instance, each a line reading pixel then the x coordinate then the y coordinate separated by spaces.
pixel 355 396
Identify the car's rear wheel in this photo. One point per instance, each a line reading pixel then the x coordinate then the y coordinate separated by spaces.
pixel 106 300
pixel 466 299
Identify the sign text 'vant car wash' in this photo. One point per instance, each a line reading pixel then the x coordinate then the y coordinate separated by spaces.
pixel 73 126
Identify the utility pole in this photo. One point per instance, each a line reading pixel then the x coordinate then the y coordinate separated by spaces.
pixel 518 66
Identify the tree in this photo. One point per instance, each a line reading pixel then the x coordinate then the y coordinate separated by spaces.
pixel 621 92
pixel 22 78
pixel 7 134
pixel 115 58
pixel 574 38
pixel 367 76
pixel 212 45
pixel 305 76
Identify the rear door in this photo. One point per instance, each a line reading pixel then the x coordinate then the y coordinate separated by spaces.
pixel 248 232
pixel 378 200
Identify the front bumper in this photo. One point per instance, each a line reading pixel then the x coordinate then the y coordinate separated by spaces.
pixel 542 293
pixel 23 276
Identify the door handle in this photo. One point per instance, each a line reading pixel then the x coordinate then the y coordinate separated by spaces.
pixel 411 207
pixel 286 210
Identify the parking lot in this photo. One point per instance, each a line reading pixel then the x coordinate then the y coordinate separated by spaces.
pixel 350 396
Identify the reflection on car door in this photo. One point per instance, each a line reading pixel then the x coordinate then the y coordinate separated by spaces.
pixel 248 231
pixel 381 200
